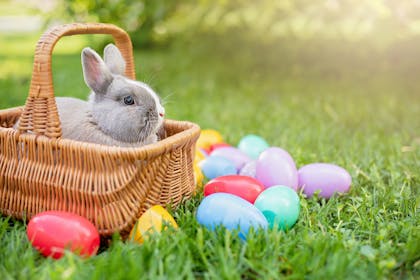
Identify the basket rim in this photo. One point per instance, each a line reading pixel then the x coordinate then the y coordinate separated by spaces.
pixel 190 131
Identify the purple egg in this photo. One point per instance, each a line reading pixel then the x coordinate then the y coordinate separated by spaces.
pixel 238 157
pixel 324 177
pixel 249 169
pixel 274 167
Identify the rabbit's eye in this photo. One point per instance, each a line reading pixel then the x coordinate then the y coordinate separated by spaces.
pixel 128 100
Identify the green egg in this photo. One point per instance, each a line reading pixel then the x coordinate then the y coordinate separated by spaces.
pixel 280 206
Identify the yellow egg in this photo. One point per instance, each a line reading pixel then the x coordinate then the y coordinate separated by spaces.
pixel 198 176
pixel 154 220
pixel 209 137
pixel 199 156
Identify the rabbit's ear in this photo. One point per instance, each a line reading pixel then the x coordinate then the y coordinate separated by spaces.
pixel 96 73
pixel 114 60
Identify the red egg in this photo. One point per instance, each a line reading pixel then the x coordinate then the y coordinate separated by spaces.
pixel 245 187
pixel 52 232
pixel 217 146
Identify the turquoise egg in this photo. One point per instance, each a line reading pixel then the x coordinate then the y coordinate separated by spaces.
pixel 252 145
pixel 280 206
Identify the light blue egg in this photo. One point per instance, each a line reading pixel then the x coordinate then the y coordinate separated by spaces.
pixel 237 157
pixel 230 211
pixel 253 145
pixel 216 166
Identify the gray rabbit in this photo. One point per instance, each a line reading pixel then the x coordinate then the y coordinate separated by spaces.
pixel 120 111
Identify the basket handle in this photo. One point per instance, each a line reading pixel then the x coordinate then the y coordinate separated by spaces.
pixel 40 115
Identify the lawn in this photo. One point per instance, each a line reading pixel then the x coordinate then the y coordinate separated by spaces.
pixel 363 118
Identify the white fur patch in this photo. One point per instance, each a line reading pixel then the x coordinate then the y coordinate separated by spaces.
pixel 159 108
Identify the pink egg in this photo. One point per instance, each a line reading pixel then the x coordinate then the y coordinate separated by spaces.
pixel 324 177
pixel 275 166
pixel 238 157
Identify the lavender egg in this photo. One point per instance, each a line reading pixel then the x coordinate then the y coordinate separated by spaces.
pixel 249 169
pixel 275 166
pixel 324 177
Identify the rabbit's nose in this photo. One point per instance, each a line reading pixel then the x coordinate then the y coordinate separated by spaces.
pixel 161 112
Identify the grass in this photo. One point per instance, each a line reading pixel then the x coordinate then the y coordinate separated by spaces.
pixel 366 121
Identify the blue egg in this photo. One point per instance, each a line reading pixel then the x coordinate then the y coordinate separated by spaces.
pixel 230 211
pixel 253 145
pixel 236 156
pixel 216 166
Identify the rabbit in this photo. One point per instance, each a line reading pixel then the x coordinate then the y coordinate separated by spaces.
pixel 119 112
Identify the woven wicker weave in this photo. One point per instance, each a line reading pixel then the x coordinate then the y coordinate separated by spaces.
pixel 111 186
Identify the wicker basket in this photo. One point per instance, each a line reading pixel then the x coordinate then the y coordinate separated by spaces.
pixel 110 186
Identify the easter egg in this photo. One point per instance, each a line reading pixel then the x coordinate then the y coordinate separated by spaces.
pixel 199 155
pixel 53 232
pixel 324 177
pixel 280 206
pixel 233 154
pixel 230 211
pixel 253 145
pixel 275 166
pixel 217 146
pixel 209 137
pixel 205 151
pixel 249 169
pixel 198 175
pixel 154 220
pixel 215 166
pixel 243 186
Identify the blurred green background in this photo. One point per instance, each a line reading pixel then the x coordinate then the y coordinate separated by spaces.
pixel 329 37
pixel 325 51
